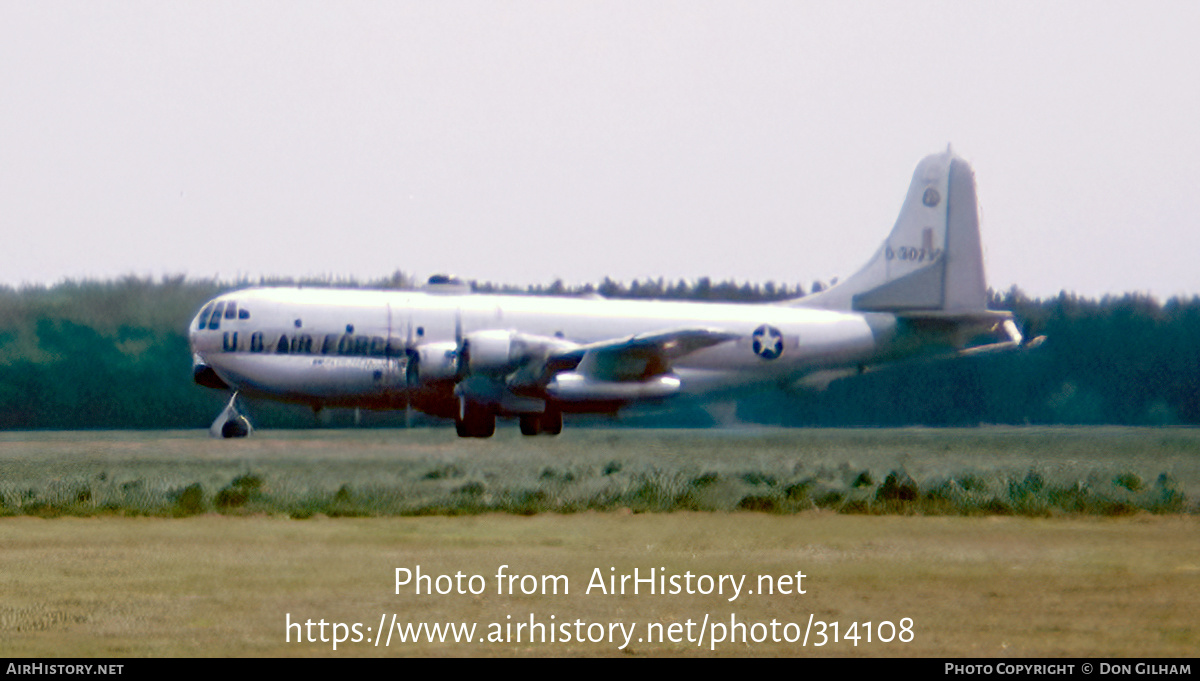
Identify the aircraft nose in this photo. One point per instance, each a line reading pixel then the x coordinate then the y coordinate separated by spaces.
pixel 199 322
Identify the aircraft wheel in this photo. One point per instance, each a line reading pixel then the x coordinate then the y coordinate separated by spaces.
pixel 237 426
pixel 551 422
pixel 474 420
pixel 531 424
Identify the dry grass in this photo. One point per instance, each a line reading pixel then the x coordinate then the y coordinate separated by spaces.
pixel 222 586
pixel 1032 570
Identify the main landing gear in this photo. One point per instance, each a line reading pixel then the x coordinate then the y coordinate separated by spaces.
pixel 549 422
pixel 474 419
pixel 477 419
pixel 230 422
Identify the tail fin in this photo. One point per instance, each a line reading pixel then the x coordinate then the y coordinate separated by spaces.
pixel 932 261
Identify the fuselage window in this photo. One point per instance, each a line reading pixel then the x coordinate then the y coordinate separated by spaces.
pixel 378 346
pixel 361 345
pixel 256 344
pixel 302 344
pixel 330 344
pixel 229 342
pixel 281 348
pixel 214 322
pixel 231 310
pixel 203 321
pixel 346 345
pixel 395 347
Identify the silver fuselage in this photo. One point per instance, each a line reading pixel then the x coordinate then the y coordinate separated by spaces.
pixel 344 347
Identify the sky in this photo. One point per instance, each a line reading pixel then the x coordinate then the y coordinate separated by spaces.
pixel 523 142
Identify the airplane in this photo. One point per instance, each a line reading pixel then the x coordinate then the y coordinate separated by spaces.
pixel 471 357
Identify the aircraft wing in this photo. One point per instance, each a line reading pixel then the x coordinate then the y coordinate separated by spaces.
pixel 637 367
pixel 636 357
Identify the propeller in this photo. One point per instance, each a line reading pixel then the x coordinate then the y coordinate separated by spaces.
pixel 463 352
pixel 456 360
pixel 410 373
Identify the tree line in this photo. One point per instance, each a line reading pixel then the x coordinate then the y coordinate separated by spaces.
pixel 114 354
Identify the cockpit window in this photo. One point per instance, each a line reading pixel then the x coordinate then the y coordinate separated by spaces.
pixel 243 313
pixel 203 320
pixel 231 310
pixel 215 321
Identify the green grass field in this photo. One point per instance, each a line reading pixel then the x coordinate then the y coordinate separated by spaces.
pixel 95 559
pixel 986 471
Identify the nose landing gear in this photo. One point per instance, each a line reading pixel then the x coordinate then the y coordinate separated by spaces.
pixel 230 423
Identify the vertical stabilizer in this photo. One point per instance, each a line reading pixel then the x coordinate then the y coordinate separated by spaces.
pixel 932 260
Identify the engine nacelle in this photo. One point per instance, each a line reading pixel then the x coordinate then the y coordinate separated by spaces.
pixel 491 352
pixel 436 362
